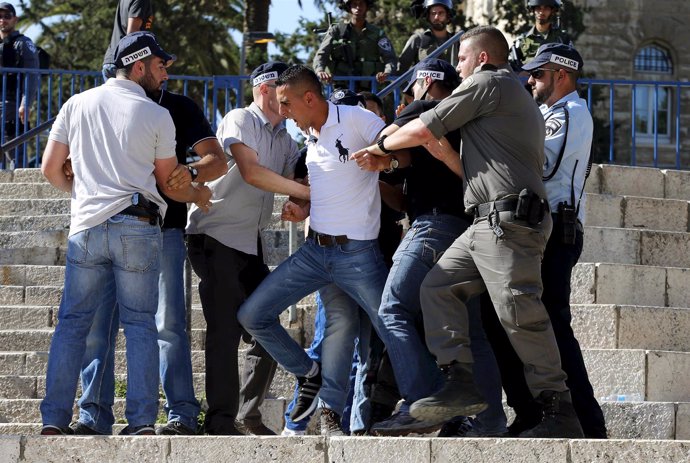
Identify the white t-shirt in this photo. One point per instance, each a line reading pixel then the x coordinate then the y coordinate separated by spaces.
pixel 114 133
pixel 345 199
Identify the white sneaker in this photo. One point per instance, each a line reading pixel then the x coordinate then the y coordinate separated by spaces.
pixel 291 433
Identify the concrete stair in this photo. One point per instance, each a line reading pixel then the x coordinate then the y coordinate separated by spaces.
pixel 630 294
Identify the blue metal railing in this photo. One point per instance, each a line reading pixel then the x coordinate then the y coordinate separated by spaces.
pixel 614 103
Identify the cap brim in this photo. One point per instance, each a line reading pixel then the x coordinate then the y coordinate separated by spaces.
pixel 537 62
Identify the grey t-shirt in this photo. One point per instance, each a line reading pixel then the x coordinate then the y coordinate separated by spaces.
pixel 239 209
pixel 502 145
pixel 128 9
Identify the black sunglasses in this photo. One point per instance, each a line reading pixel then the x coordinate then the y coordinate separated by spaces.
pixel 539 72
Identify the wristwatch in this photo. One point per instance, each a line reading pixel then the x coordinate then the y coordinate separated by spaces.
pixel 379 143
pixel 192 170
pixel 392 166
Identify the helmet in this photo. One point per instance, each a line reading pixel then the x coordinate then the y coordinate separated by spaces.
pixel 429 3
pixel 345 4
pixel 552 3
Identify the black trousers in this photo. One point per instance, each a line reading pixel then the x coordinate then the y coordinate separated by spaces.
pixel 227 278
pixel 556 271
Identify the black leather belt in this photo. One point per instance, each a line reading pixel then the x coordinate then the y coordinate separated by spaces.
pixel 502 205
pixel 142 214
pixel 327 240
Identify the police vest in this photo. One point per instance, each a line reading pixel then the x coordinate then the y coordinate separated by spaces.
pixel 356 54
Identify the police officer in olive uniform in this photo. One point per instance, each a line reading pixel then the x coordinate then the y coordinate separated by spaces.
pixel 355 48
pixel 544 31
pixel 439 14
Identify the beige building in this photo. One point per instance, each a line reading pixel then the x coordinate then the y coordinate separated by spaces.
pixel 634 40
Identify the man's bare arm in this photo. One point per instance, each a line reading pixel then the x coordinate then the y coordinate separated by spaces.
pixel 54 157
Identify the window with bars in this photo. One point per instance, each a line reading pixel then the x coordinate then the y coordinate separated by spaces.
pixel 653 104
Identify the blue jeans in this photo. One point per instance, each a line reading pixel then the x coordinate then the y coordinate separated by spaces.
pixel 95 404
pixel 116 262
pixel 357 269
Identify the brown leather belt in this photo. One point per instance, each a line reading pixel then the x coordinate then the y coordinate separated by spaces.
pixel 143 215
pixel 327 240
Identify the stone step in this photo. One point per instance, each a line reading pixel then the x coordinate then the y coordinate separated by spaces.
pixel 639 181
pixel 32 175
pixel 643 285
pixel 637 212
pixel 653 374
pixel 24 207
pixel 33 247
pixel 624 420
pixel 636 246
pixel 16 190
pixel 13 223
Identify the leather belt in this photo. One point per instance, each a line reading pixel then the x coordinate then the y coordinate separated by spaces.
pixel 142 214
pixel 327 240
pixel 502 205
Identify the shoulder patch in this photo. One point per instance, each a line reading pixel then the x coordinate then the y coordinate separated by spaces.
pixel 553 126
pixel 385 44
pixel 31 46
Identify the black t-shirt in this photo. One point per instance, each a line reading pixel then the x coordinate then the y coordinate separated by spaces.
pixel 430 183
pixel 191 127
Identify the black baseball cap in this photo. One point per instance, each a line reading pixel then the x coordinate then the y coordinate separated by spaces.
pixel 556 53
pixel 137 46
pixel 435 68
pixel 267 71
pixel 8 7
pixel 346 97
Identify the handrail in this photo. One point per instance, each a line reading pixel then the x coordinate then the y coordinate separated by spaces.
pixel 9 145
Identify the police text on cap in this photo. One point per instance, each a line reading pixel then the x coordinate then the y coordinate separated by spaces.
pixel 136 56
pixel 436 75
pixel 563 61
pixel 264 77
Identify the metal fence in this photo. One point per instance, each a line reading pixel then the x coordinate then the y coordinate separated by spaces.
pixel 636 122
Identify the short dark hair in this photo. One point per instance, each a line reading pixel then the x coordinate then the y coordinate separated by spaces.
pixel 300 75
pixel 491 40
pixel 368 96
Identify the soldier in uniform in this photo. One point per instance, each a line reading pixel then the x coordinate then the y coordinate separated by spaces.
pixel 501 157
pixel 553 79
pixel 355 47
pixel 544 31
pixel 439 14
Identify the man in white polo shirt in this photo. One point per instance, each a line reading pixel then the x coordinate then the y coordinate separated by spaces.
pixel 121 145
pixel 341 246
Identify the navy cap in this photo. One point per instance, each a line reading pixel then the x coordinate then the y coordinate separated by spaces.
pixel 8 7
pixel 347 98
pixel 267 71
pixel 556 53
pixel 435 68
pixel 137 46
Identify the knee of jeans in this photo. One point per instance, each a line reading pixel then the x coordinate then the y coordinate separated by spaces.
pixel 252 319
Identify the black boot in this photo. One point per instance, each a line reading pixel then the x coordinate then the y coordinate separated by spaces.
pixel 459 396
pixel 560 420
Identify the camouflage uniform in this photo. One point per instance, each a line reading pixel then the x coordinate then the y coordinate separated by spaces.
pixel 525 47
pixel 345 52
pixel 420 45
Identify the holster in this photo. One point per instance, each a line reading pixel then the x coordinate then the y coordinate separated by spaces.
pixel 530 207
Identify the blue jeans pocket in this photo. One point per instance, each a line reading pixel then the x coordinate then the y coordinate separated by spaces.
pixel 77 247
pixel 140 252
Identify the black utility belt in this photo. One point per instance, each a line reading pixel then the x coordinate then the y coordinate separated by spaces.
pixel 145 215
pixel 527 207
pixel 327 240
pixel 502 205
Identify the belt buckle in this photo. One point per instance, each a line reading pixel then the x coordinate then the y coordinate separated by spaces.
pixel 321 240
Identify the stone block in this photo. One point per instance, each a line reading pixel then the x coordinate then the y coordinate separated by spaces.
pixel 247 449
pixel 498 450
pixel 30 191
pixel 26 317
pixel 638 181
pixel 10 449
pixel 18 387
pixel 640 420
pixel 595 325
pixel 19 411
pixel 29 175
pixel 18 429
pixel 12 363
pixel 34 222
pixel 25 207
pixel 616 371
pixel 668 249
pixel 43 295
pixel 142 449
pixel 613 451
pixel 677 184
pixel 26 340
pixel 683 422
pixel 11 295
pixel 630 284
pixel 345 450
pixel 615 245
pixel 604 211
pixel 677 287
pixel 593 184
pixel 583 284
pixel 655 214
pixel 657 328
pixel 36 363
pixel 668 376
pixel 45 275
pixel 12 275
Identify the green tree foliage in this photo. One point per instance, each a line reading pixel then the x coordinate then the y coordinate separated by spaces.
pixel 76 33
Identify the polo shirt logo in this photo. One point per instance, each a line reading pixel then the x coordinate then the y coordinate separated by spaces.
pixel 264 77
pixel 436 75
pixel 344 152
pixel 136 56
pixel 563 61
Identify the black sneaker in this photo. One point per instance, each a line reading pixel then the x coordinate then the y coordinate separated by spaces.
pixel 175 428
pixel 80 429
pixel 143 430
pixel 560 420
pixel 306 398
pixel 52 430
pixel 254 429
pixel 402 424
pixel 329 422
